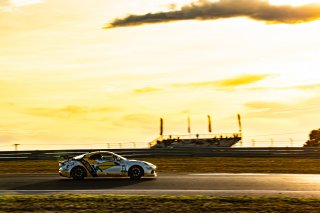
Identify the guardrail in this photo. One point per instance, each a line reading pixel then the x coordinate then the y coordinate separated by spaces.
pixel 166 152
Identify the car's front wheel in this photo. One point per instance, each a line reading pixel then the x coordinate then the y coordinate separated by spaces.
pixel 78 173
pixel 135 172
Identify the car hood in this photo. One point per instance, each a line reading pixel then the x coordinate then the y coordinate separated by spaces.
pixel 140 162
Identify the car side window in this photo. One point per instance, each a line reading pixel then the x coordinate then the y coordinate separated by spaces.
pixel 108 157
pixel 95 157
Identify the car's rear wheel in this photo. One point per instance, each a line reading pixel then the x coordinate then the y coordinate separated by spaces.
pixel 78 173
pixel 135 172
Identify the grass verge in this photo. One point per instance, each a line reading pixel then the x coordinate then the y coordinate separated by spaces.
pixel 192 164
pixel 135 203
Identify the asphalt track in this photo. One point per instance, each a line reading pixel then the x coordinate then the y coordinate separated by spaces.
pixel 219 184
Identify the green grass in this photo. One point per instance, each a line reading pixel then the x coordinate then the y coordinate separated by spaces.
pixel 192 164
pixel 135 203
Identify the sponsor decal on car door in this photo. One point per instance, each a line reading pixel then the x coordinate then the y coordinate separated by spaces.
pixel 89 168
pixel 108 165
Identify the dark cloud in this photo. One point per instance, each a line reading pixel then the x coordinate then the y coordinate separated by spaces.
pixel 260 10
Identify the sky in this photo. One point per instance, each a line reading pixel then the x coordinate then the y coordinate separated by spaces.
pixel 93 74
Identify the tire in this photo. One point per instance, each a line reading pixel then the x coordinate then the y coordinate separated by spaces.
pixel 135 172
pixel 78 173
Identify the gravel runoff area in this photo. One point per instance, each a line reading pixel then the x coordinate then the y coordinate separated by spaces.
pixel 134 203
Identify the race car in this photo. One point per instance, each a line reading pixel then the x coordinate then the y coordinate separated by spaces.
pixel 105 164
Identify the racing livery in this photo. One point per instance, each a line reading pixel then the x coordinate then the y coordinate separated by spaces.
pixel 105 164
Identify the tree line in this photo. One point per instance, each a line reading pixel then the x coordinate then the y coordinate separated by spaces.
pixel 314 139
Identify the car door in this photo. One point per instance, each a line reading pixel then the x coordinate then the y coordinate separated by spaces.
pixel 110 165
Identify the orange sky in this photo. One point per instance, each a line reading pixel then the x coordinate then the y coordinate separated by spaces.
pixel 66 82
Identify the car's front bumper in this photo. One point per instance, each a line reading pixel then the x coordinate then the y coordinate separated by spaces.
pixel 64 173
pixel 150 174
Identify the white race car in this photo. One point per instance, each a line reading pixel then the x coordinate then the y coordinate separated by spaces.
pixel 105 164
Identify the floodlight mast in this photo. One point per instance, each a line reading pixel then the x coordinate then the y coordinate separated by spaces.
pixel 189 125
pixel 209 124
pixel 240 128
pixel 161 127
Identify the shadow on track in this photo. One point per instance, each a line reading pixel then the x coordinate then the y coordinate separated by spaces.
pixel 87 184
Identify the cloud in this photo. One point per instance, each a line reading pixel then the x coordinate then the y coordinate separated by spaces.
pixel 21 3
pixel 241 80
pixel 228 83
pixel 265 106
pixel 68 111
pixel 10 5
pixel 146 90
pixel 149 121
pixel 260 10
pixel 262 109
pixel 304 87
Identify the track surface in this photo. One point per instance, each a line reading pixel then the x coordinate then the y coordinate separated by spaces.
pixel 297 185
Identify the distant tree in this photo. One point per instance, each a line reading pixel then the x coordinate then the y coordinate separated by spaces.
pixel 314 139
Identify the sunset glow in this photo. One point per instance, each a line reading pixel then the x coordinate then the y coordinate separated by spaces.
pixel 68 82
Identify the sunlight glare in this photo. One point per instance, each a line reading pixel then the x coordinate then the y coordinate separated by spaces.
pixel 293 2
pixel 21 3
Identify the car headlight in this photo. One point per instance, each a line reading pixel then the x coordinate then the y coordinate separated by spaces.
pixel 148 164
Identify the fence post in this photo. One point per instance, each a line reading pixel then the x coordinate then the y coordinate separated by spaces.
pixel 16 147
pixel 253 143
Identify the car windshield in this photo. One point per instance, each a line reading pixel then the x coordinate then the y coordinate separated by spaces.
pixel 119 156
